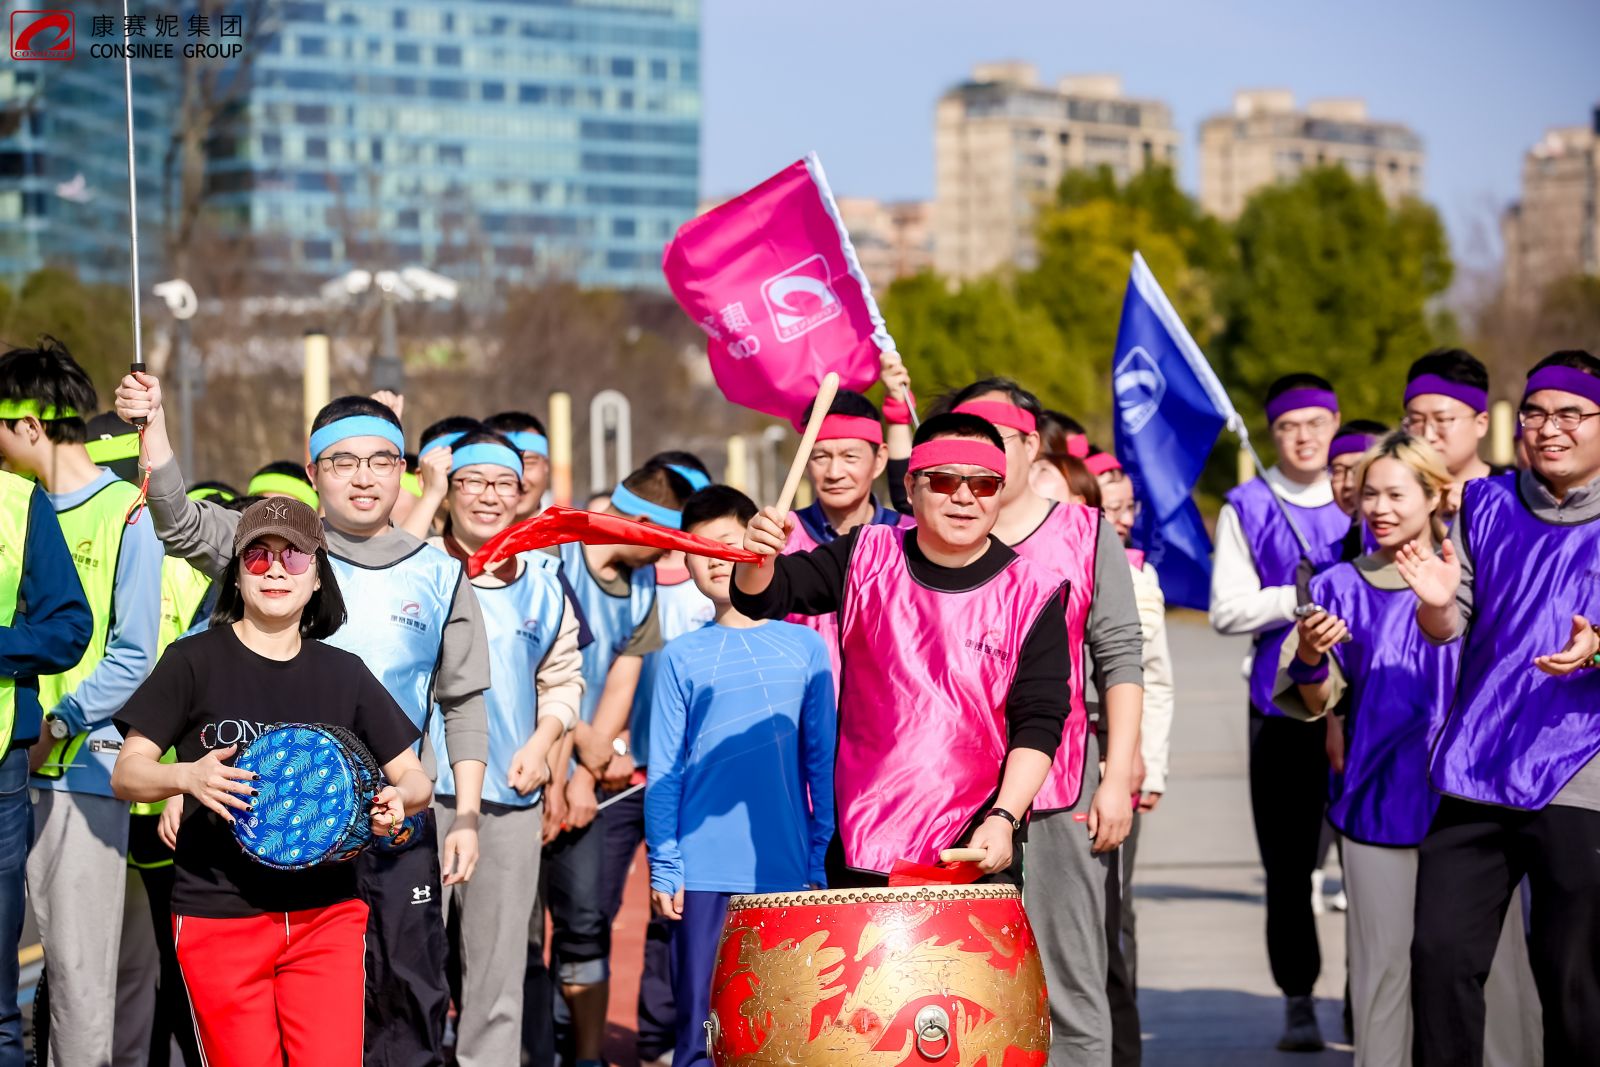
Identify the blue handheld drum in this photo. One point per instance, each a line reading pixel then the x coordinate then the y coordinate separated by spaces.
pixel 316 787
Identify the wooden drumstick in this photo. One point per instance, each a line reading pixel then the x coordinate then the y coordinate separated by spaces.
pixel 819 411
pixel 963 855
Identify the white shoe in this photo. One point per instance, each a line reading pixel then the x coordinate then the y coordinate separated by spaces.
pixel 1318 905
pixel 1339 902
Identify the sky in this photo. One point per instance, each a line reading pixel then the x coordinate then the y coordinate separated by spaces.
pixel 1479 80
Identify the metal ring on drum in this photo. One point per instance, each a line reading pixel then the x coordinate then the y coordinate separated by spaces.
pixel 889 977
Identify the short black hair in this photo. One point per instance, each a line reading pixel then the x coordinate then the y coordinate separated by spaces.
pixel 49 376
pixel 681 459
pixel 717 502
pixel 659 484
pixel 345 407
pixel 462 424
pixel 321 618
pixel 515 422
pixel 1060 418
pixel 220 492
pixel 1297 380
pixel 957 424
pixel 846 402
pixel 286 467
pixel 1370 427
pixel 1576 358
pixel 1013 390
pixel 1453 365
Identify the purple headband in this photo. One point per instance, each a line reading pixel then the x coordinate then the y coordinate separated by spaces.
pixel 1348 443
pixel 1425 384
pixel 1295 399
pixel 1566 379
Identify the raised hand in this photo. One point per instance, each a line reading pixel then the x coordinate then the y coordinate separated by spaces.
pixel 1433 576
pixel 1579 653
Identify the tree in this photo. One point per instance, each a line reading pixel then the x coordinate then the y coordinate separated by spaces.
pixel 95 322
pixel 1331 279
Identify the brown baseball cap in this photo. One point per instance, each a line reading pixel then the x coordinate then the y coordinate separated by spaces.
pixel 287 518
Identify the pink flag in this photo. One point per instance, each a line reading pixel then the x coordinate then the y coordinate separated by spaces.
pixel 772 279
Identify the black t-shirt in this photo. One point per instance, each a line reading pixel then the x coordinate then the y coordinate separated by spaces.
pixel 210 691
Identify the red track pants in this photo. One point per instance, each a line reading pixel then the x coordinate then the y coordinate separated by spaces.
pixel 276 989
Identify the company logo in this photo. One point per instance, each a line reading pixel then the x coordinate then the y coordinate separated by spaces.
pixel 1139 386
pixel 989 644
pixel 42 35
pixel 421 894
pixel 410 607
pixel 801 298
pixel 83 554
pixel 410 616
pixel 529 631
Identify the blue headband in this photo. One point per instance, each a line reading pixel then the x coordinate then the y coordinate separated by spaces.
pixel 695 478
pixel 444 440
pixel 528 441
pixel 486 452
pixel 630 504
pixel 355 426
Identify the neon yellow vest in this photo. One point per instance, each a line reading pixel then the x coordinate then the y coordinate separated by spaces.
pixel 15 497
pixel 94 531
pixel 182 590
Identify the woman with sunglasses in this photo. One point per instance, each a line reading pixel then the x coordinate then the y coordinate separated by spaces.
pixel 273 959
pixel 955 661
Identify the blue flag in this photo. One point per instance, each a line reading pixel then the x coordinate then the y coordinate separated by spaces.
pixel 1170 409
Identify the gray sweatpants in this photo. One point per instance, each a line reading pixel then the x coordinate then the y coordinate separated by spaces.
pixel 495 910
pixel 1064 894
pixel 77 874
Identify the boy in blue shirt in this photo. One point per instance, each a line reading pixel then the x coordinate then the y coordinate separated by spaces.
pixel 741 743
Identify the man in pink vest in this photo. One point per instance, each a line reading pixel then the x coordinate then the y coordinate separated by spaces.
pixel 1080 816
pixel 955 661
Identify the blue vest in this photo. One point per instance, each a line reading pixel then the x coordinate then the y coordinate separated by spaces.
pixel 683 609
pixel 522 620
pixel 396 623
pixel 612 619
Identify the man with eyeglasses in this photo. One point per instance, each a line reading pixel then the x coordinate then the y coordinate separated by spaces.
pixel 1515 756
pixel 956 662
pixel 416 623
pixel 1253 592
pixel 1082 814
pixel 1447 405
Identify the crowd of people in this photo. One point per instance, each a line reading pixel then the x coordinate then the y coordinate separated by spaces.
pixel 980 659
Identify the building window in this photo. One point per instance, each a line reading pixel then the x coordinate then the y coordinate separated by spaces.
pixel 447 55
pixel 494 91
pixel 624 227
pixel 447 89
pixel 399 18
pixel 452 155
pixel 377 150
pixel 407 53
pixel 408 219
pixel 532 94
pixel 311 114
pixel 316 148
pixel 621 67
pixel 313 46
pixel 625 100
pixel 316 249
pixel 658 70
pixel 271 145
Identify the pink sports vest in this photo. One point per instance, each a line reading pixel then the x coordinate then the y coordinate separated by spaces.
pixel 1063 546
pixel 922 726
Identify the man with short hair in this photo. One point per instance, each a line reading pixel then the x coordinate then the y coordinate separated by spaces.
pixel 1447 405
pixel 528 434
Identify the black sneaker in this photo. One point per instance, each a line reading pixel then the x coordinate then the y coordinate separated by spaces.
pixel 1300 1031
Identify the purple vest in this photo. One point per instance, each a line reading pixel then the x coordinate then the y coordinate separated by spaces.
pixel 1515 736
pixel 1276 554
pixel 1400 688
pixel 1064 546
pixel 922 724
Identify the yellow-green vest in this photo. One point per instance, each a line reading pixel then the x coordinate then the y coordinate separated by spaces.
pixel 16 496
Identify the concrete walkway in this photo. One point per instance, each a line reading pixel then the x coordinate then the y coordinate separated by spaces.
pixel 1206 995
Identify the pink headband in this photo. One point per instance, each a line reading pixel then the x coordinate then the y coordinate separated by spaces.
pixel 948 450
pixel 1001 414
pixel 1566 379
pixel 1424 384
pixel 1101 462
pixel 1295 399
pixel 851 427
pixel 1078 445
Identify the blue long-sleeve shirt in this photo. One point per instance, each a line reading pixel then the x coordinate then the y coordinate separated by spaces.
pixel 52 623
pixel 741 741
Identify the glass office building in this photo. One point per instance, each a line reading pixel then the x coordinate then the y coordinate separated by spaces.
pixel 514 140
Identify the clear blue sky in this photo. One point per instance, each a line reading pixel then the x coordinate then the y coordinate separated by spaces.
pixel 857 81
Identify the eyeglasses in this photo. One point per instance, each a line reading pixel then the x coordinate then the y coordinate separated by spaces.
pixel 1566 420
pixel 1416 425
pixel 1131 510
pixel 472 485
pixel 945 483
pixel 258 559
pixel 344 465
pixel 1311 426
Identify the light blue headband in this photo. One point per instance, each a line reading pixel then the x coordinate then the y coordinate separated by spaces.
pixel 528 441
pixel 355 426
pixel 444 440
pixel 486 452
pixel 630 504
pixel 696 479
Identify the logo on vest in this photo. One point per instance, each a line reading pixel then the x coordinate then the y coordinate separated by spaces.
pixel 529 630
pixel 83 554
pixel 801 298
pixel 1139 387
pixel 989 644
pixel 409 616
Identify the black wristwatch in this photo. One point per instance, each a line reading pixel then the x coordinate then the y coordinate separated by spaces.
pixel 1016 823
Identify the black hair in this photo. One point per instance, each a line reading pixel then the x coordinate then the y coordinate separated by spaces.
pixel 345 407
pixel 1453 365
pixel 1576 358
pixel 1068 424
pixel 681 459
pixel 286 467
pixel 461 424
pixel 717 502
pixel 1014 393
pixel 49 376
pixel 413 463
pixel 222 492
pixel 957 424
pixel 846 402
pixel 515 422
pixel 321 618
pixel 1370 427
pixel 1297 380
pixel 659 484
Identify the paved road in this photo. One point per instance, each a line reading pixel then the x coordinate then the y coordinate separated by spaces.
pixel 1206 995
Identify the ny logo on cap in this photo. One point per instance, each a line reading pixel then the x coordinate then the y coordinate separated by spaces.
pixel 278 509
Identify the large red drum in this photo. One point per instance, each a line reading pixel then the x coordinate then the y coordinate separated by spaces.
pixel 898 977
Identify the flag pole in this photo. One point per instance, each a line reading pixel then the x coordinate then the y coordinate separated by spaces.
pixel 133 212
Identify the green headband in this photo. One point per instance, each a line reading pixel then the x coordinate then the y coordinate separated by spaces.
pixel 17 409
pixel 108 449
pixel 283 484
